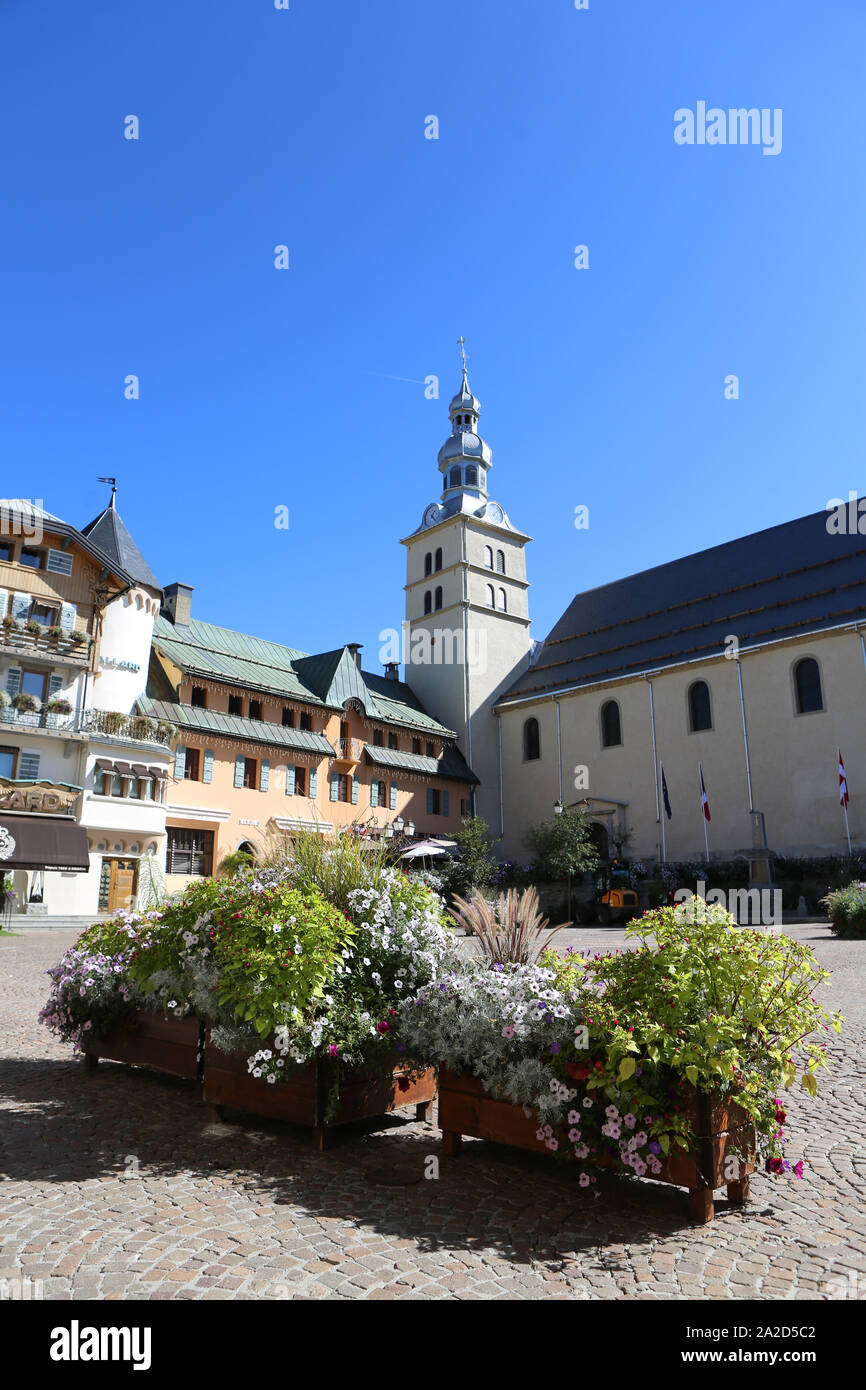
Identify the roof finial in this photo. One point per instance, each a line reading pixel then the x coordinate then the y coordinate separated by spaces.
pixel 113 482
pixel 461 343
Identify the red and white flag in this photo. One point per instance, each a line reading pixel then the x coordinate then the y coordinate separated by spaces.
pixel 705 800
pixel 843 782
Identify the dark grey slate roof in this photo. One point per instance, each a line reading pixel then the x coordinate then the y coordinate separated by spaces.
pixel 110 534
pixel 791 579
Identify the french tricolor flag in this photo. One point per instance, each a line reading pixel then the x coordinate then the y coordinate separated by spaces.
pixel 705 800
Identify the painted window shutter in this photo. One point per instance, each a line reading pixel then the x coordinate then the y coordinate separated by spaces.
pixel 207 770
pixel 446 800
pixel 28 767
pixel 67 616
pixel 55 685
pixel 266 775
pixel 240 761
pixel 392 803
pixel 374 793
pixel 290 780
pixel 179 761
pixel 4 599
pixel 314 779
pixel 355 785
pixel 13 681
pixel 59 562
pixel 335 786
pixel 21 607
pixel 429 801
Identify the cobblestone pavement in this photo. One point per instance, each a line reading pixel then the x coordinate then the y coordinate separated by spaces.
pixel 115 1185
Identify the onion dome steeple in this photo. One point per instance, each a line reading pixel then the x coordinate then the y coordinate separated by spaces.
pixel 464 458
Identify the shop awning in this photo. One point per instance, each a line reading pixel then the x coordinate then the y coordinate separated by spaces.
pixel 42 842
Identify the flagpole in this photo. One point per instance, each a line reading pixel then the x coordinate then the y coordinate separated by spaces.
pixel 843 796
pixel 663 819
pixel 847 831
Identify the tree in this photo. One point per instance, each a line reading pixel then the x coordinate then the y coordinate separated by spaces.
pixel 562 846
pixel 474 866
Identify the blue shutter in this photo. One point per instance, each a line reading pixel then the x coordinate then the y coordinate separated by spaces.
pixel 4 599
pixel 266 775
pixel 429 801
pixel 446 801
pixel 290 780
pixel 392 804
pixel 355 786
pixel 13 681
pixel 179 761
pixel 314 778
pixel 335 786
pixel 374 793
pixel 240 760
pixel 207 772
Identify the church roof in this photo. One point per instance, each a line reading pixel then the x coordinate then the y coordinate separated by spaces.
pixel 109 532
pixel 787 581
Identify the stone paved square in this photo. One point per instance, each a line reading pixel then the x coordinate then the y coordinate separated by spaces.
pixel 115 1185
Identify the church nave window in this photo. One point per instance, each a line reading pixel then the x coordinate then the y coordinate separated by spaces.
pixel 531 741
pixel 700 713
pixel 611 726
pixel 807 684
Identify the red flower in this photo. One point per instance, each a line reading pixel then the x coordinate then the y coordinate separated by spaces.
pixel 383 1027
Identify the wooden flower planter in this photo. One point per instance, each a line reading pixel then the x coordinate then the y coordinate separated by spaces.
pixel 720 1127
pixel 303 1099
pixel 172 1045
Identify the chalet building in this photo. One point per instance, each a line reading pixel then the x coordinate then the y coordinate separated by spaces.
pixel 82 782
pixel 271 740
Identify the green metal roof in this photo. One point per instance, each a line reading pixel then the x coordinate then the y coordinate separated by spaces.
pixel 232 726
pixel 327 679
pixel 451 765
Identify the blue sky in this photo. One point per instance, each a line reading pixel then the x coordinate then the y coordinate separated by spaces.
pixel 260 388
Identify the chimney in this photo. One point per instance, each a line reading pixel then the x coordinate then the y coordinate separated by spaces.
pixel 178 603
pixel 355 649
pixel 392 670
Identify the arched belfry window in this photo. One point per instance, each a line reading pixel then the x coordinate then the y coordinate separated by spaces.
pixel 437 602
pixel 700 713
pixel 503 601
pixel 531 741
pixel 488 557
pixel 455 477
pixel 500 561
pixel 807 686
pixel 491 597
pixel 428 602
pixel 471 476
pixel 438 563
pixel 611 725
pixel 428 563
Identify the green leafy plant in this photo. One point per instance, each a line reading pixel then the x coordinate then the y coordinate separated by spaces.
pixel 846 908
pixel 474 865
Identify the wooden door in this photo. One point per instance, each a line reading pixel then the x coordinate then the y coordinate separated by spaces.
pixel 121 887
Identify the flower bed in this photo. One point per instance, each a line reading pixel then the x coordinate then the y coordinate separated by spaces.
pixel 666 1061
pixel 306 1095
pixel 720 1153
pixel 145 1039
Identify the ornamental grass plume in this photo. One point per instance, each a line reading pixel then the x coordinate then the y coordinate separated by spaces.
pixel 508 931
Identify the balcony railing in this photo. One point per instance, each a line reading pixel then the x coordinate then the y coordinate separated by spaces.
pixel 27 719
pixel 349 750
pixel 135 728
pixel 46 644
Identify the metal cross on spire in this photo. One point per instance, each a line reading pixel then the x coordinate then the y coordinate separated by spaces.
pixel 461 343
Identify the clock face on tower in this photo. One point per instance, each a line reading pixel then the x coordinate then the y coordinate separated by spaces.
pixel 494 513
pixel 431 516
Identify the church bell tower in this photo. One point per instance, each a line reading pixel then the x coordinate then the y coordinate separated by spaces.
pixel 467 608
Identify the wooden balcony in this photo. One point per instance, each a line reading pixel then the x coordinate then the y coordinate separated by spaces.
pixel 40 648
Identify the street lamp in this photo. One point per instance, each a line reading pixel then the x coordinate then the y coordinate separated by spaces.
pixel 557 808
pixel 410 829
pixel 389 832
pixel 398 824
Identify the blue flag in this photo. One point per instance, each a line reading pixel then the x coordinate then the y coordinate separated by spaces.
pixel 665 797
